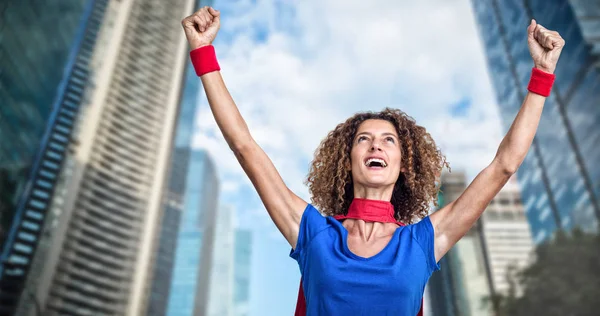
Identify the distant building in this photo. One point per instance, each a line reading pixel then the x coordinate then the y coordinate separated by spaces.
pixel 242 271
pixel 507 237
pixel 461 285
pixel 194 250
pixel 471 253
pixel 222 269
pixel 176 190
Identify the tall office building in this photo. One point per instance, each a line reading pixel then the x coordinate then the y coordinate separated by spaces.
pixel 29 85
pixel 446 288
pixel 242 270
pixel 472 257
pixel 507 237
pixel 190 282
pixel 461 285
pixel 41 90
pixel 163 255
pixel 220 295
pixel 587 13
pixel 96 254
pixel 560 177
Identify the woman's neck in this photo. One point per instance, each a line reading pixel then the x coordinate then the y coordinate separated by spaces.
pixel 367 231
pixel 380 194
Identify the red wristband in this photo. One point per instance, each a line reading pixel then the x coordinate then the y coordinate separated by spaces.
pixel 541 82
pixel 204 60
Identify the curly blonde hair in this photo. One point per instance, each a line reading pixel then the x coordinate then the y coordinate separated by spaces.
pixel 330 176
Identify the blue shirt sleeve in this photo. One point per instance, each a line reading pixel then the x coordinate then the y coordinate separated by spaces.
pixel 311 224
pixel 423 233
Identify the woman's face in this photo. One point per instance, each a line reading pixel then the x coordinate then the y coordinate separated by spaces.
pixel 376 154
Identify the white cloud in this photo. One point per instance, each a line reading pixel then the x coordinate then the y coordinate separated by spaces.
pixel 325 60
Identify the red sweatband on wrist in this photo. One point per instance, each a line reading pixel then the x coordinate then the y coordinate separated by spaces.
pixel 541 82
pixel 204 60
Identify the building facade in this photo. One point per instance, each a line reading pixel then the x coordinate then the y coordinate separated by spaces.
pixel 242 259
pixel 587 14
pixel 560 177
pixel 471 252
pixel 222 270
pixel 190 282
pixel 29 85
pixel 462 285
pixel 173 199
pixel 41 92
pixel 96 252
pixel 446 288
pixel 507 238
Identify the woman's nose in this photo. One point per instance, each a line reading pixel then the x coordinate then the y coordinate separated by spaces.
pixel 375 146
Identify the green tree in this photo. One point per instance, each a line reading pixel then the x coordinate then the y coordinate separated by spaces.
pixel 564 280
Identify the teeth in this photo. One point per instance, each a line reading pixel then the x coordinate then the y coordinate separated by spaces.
pixel 381 161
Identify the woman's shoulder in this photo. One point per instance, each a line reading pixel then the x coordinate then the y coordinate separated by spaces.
pixel 311 224
pixel 314 217
pixel 311 213
pixel 423 233
pixel 313 220
pixel 421 226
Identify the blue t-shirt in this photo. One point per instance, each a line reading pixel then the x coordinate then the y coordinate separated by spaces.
pixel 338 282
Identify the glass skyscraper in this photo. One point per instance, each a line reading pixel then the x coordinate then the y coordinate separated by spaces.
pixel 175 193
pixel 173 203
pixel 242 270
pixel 587 13
pixel 33 60
pixel 44 70
pixel 220 290
pixel 446 289
pixel 560 177
pixel 194 246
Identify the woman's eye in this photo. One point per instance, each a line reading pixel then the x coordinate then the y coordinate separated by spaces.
pixel 361 138
pixel 390 139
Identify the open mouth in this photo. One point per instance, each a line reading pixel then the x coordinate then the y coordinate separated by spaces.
pixel 375 163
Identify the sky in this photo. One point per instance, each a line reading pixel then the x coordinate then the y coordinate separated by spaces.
pixel 296 69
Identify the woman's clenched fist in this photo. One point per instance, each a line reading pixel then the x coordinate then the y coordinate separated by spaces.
pixel 545 46
pixel 201 27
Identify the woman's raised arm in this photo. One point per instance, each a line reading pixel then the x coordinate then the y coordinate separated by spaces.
pixel 284 207
pixel 454 220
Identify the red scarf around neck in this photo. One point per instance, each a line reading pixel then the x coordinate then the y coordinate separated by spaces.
pixel 368 211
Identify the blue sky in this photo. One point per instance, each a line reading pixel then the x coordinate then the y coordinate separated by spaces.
pixel 298 68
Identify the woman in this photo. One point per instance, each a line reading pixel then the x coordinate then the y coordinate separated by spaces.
pixel 374 177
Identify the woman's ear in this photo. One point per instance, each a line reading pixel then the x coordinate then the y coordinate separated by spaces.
pixel 403 170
